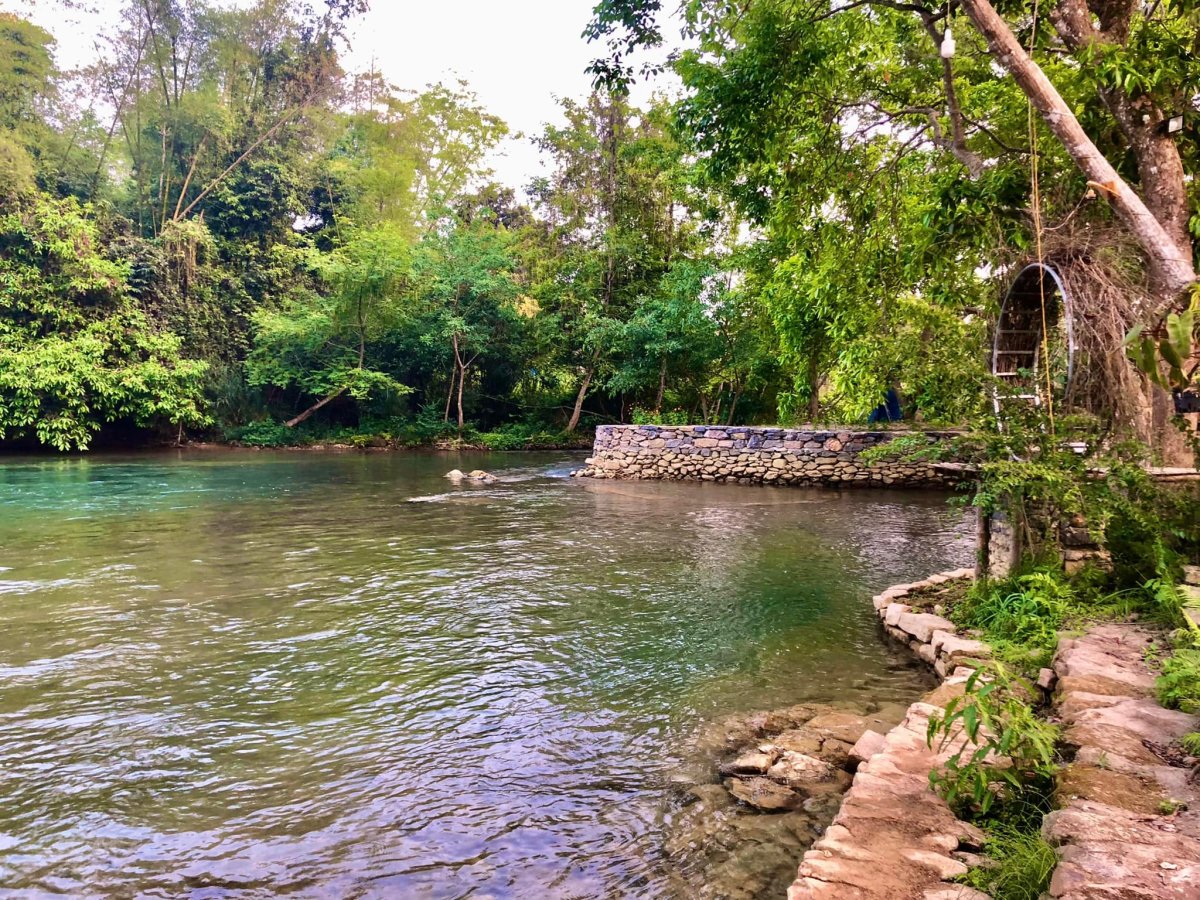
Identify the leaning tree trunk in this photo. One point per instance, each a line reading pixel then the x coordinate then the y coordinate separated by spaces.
pixel 328 398
pixel 579 398
pixel 1171 270
pixel 1159 223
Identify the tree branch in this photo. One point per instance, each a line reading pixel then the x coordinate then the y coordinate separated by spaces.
pixel 1171 271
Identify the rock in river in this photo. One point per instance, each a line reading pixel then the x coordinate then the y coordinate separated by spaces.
pixel 764 794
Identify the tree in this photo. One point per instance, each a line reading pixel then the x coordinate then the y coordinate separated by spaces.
pixel 75 350
pixel 900 172
pixel 1139 63
pixel 611 215
pixel 466 277
pixel 319 340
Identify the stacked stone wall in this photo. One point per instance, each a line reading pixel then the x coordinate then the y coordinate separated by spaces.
pixel 756 455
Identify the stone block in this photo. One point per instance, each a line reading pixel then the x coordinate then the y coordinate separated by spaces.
pixel 893 613
pixel 922 625
pixel 954 648
pixel 867 746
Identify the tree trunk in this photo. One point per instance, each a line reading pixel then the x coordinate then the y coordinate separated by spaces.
pixel 462 377
pixel 1171 270
pixel 450 393
pixel 662 385
pixel 328 398
pixel 737 395
pixel 814 387
pixel 579 398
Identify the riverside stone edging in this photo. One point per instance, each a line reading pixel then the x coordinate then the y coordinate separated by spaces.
pixel 930 636
pixel 1129 822
pixel 893 837
pixel 756 455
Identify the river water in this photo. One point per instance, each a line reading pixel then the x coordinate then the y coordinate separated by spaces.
pixel 336 674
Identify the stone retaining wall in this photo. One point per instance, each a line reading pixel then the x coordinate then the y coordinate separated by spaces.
pixel 755 455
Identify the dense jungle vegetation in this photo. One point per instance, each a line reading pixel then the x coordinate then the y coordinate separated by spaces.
pixel 216 230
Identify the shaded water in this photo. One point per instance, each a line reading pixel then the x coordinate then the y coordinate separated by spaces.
pixel 338 675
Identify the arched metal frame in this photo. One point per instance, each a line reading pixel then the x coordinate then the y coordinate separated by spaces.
pixel 1018 334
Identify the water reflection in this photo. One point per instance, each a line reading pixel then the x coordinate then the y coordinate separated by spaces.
pixel 259 674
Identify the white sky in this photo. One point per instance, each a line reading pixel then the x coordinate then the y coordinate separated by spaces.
pixel 517 55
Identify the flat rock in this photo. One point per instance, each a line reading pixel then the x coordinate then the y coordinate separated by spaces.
pixel 1124 790
pixel 764 794
pixel 799 740
pixel 1107 852
pixel 755 762
pixel 843 726
pixel 893 836
pixel 922 625
pixel 953 648
pixel 798 769
pixel 867 746
pixel 1117 833
pixel 954 892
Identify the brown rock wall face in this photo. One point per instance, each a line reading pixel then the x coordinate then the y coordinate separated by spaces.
pixel 755 455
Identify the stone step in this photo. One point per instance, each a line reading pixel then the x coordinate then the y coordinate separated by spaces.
pixel 1129 824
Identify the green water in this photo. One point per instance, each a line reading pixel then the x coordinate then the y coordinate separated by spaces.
pixel 253 674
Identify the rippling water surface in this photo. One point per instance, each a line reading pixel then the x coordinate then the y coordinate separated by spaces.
pixel 252 674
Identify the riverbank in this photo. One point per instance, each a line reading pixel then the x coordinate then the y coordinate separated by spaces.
pixel 1127 817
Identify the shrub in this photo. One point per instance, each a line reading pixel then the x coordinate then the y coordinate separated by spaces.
pixel 1008 751
pixel 1026 611
pixel 1179 684
pixel 1024 863
pixel 263 434
pixel 639 416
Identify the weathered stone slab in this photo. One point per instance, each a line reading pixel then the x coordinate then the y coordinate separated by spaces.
pixel 764 794
pixel 1119 833
pixel 953 647
pixel 867 746
pixel 798 769
pixel 922 625
pixel 893 836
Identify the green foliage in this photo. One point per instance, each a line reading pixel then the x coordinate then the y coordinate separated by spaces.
pixel 318 340
pixel 75 351
pixel 262 434
pixel 641 416
pixel 1191 743
pixel 1027 610
pixel 909 448
pixel 1179 683
pixel 1024 863
pixel 518 436
pixel 1174 350
pixel 1006 750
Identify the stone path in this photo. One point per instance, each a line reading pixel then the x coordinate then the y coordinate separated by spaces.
pixel 893 837
pixel 1115 838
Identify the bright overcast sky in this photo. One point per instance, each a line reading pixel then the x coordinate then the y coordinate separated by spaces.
pixel 517 55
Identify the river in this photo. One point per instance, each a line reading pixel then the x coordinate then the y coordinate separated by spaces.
pixel 228 673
